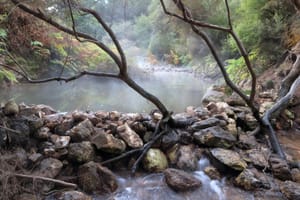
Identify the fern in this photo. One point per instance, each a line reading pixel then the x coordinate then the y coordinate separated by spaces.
pixel 7 74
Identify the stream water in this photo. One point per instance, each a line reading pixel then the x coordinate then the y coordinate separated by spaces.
pixel 153 187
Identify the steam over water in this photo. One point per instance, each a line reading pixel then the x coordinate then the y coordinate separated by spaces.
pixel 177 89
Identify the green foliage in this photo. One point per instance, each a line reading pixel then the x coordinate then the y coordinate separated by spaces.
pixel 236 68
pixel 8 75
pixel 3 34
pixel 36 44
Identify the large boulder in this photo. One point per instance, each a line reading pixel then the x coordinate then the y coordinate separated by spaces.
pixel 94 178
pixel 180 181
pixel 155 161
pixel 81 152
pixel 130 136
pixel 107 142
pixel 227 160
pixel 214 137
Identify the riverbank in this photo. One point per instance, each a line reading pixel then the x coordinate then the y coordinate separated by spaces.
pixel 71 149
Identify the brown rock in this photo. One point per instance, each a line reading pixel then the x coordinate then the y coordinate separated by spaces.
pixel 94 178
pixel 291 190
pixel 130 136
pixel 81 152
pixel 280 168
pixel 180 181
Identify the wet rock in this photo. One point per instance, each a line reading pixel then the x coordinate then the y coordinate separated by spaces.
pixel 187 158
pixel 68 195
pixel 291 190
pixel 21 134
pixel 139 128
pixel 280 168
pixel 43 133
pixel 258 158
pixel 81 152
pixel 225 159
pixel 210 122
pixel 11 108
pixel 51 121
pixel 169 139
pixel 180 181
pixel 94 178
pixel 129 136
pixel 82 132
pixel 214 137
pixel 212 172
pixel 49 167
pixel 107 142
pixel 60 141
pixel 172 154
pixel 249 181
pixel 155 161
pixel 231 127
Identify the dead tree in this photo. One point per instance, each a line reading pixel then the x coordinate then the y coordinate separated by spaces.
pixel 199 27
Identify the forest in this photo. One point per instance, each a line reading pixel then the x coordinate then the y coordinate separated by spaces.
pixel 204 93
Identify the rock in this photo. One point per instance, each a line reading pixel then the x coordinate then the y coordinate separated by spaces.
pixel 65 125
pixel 114 115
pixel 139 128
pixel 34 122
pixel 169 139
pixel 265 106
pixel 82 132
pixel 291 190
pixel 246 121
pixel 280 168
pixel 187 158
pixel 94 178
pixel 214 137
pixel 49 167
pixel 155 161
pixel 210 122
pixel 60 141
pixel 21 136
pixel 212 96
pixel 25 196
pixel 68 195
pixel 296 175
pixel 201 112
pixel 258 158
pixel 43 133
pixel 11 108
pixel 225 159
pixel 129 136
pixel 212 172
pixel 35 157
pixel 180 181
pixel 107 142
pixel 248 181
pixel 231 127
pixel 185 137
pixel 235 100
pixel 246 141
pixel 81 152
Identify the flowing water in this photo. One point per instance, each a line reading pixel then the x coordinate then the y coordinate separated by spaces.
pixel 153 187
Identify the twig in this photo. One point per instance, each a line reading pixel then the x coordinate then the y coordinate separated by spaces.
pixel 9 129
